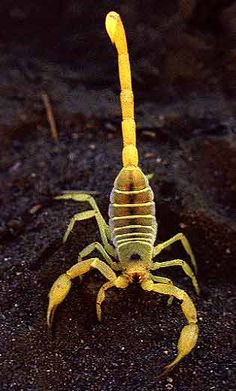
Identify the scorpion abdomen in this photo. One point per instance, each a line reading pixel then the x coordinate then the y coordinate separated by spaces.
pixel 132 215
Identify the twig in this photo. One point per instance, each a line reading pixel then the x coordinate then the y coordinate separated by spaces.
pixel 50 116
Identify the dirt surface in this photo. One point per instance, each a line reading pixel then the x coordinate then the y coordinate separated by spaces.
pixel 186 138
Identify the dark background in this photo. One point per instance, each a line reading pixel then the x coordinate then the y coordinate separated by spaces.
pixel 183 59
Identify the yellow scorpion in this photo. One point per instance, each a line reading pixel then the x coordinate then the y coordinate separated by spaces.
pixel 128 242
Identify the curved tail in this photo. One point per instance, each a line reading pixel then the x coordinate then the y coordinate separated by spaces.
pixel 116 32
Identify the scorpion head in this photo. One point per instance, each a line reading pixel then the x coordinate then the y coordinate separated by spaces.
pixel 136 272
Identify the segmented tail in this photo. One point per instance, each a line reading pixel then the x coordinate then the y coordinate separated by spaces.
pixel 116 32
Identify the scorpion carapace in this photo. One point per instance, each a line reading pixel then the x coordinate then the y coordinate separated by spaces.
pixel 132 217
pixel 128 243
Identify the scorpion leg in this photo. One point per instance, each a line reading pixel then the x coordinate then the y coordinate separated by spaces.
pixel 186 268
pixel 189 333
pixel 102 225
pixel 62 285
pixel 185 243
pixel 120 282
pixel 163 280
pixel 83 197
pixel 96 245
pixel 78 217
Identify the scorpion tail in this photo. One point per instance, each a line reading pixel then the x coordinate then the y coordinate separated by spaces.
pixel 116 32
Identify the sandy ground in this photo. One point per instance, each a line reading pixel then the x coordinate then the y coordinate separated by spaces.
pixel 138 334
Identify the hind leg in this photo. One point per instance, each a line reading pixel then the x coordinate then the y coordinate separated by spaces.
pixel 95 212
pixel 185 243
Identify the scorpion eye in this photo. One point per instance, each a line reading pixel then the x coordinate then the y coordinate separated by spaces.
pixel 135 257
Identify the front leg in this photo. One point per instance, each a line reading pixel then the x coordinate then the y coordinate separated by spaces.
pixel 97 246
pixel 62 285
pixel 185 243
pixel 121 282
pixel 186 268
pixel 163 280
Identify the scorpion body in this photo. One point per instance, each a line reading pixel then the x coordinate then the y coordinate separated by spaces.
pixel 128 241
pixel 132 216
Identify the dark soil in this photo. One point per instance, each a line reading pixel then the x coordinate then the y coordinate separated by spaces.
pixel 186 138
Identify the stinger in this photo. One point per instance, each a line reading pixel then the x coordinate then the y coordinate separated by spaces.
pixel 116 32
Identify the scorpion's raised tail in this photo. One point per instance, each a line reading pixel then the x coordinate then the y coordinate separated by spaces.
pixel 116 32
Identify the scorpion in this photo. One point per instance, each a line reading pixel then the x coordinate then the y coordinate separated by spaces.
pixel 128 241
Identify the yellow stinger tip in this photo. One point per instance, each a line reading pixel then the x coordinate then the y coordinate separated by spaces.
pixel 111 24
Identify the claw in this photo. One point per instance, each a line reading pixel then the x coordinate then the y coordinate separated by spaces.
pixel 186 343
pixel 57 294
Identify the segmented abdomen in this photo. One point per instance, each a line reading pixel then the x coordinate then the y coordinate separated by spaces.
pixel 132 214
